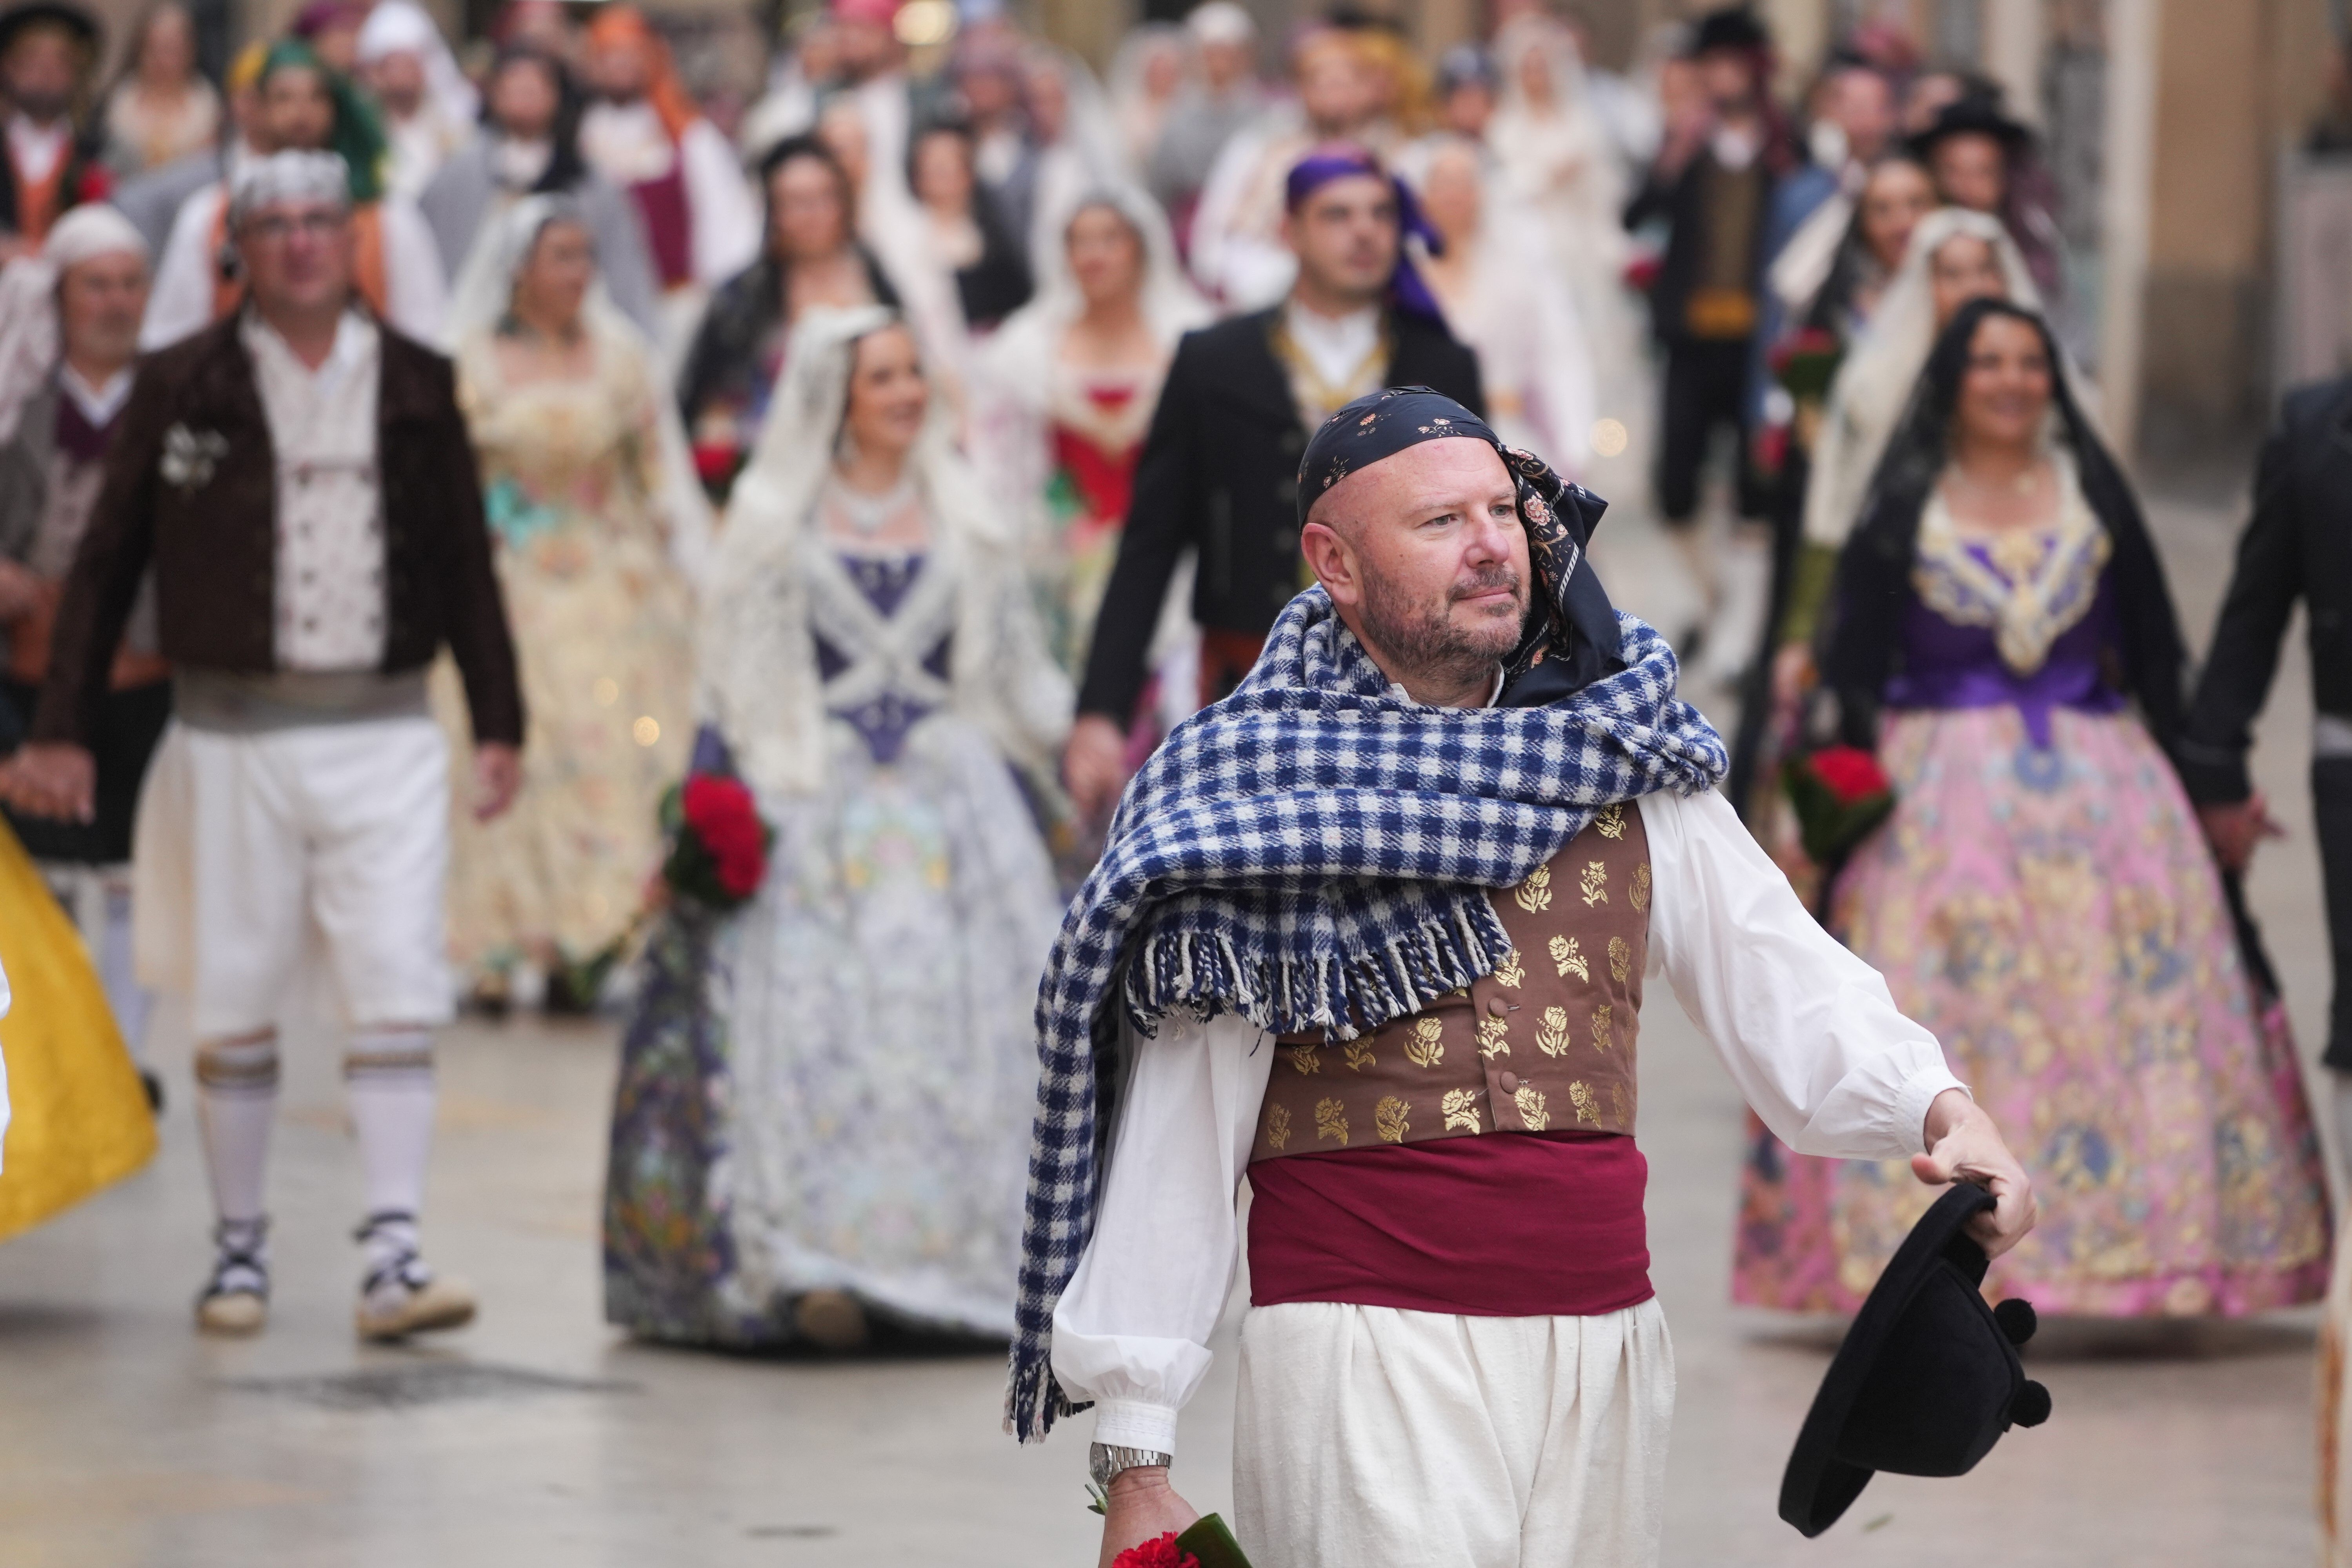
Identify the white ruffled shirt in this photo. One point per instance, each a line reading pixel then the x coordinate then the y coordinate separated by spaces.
pixel 330 605
pixel 1807 1031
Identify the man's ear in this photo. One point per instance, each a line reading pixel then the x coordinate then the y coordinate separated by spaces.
pixel 1333 562
pixel 1289 232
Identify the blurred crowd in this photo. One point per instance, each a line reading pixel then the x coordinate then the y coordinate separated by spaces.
pixel 898 455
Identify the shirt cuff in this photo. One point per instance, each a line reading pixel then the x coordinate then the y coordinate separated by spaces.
pixel 1917 1093
pixel 1136 1424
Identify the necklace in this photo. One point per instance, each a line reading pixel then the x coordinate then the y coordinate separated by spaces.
pixel 868 514
pixel 2024 483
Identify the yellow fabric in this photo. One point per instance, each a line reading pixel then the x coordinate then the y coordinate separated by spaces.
pixel 79 1118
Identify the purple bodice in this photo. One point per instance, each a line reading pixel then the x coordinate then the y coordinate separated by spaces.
pixel 881 721
pixel 1946 665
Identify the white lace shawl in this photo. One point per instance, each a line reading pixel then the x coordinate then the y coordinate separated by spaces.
pixel 757 658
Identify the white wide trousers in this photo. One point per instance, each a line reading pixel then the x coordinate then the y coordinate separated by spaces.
pixel 1373 1435
pixel 343 825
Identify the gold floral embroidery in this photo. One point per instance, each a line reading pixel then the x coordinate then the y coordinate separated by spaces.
pixel 1570 961
pixel 1491 1043
pixel 1331 1120
pixel 1425 1048
pixel 1530 1101
pixel 1388 1119
pixel 1602 1036
pixel 1358 1054
pixel 1304 1058
pixel 1617 1097
pixel 1278 1127
pixel 1611 822
pixel 1460 1108
pixel 1508 972
pixel 1640 897
pixel 1594 884
pixel 1552 1038
pixel 1588 1106
pixel 1621 959
pixel 1535 894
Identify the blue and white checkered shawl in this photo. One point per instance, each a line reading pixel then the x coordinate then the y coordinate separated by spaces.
pixel 1312 853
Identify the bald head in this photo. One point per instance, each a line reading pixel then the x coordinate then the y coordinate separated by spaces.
pixel 1427 561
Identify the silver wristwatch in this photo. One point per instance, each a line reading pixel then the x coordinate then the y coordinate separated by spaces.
pixel 1108 1459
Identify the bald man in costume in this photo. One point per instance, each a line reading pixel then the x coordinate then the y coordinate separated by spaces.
pixel 1374 931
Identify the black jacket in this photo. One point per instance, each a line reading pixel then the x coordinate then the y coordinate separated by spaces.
pixel 1220 473
pixel 84 179
pixel 1682 201
pixel 2298 543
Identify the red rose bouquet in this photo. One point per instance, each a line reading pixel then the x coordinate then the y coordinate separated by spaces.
pixel 1840 795
pixel 717 844
pixel 1806 363
pixel 1206 1544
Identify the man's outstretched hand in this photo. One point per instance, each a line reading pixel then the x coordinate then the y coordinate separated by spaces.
pixel 52 778
pixel 1143 1507
pixel 1963 1145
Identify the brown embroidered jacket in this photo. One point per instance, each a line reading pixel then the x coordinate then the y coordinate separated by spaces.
pixel 191 486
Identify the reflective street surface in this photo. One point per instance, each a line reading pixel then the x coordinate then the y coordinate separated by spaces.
pixel 540 1437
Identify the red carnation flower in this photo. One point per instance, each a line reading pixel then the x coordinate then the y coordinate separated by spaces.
pixel 1159 1554
pixel 96 185
pixel 712 799
pixel 720 815
pixel 715 462
pixel 1852 774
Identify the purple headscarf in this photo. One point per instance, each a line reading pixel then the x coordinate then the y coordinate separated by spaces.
pixel 1407 291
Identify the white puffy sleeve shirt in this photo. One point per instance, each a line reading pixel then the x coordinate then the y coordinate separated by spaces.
pixel 1807 1031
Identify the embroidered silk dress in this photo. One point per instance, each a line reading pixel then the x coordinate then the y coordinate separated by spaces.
pixel 603 625
pixel 831 1088
pixel 2041 899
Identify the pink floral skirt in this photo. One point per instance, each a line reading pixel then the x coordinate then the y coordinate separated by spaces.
pixel 2055 918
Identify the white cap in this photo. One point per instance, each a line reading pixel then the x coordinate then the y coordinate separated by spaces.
pixel 89 231
pixel 1221 22
pixel 289 177
pixel 397 28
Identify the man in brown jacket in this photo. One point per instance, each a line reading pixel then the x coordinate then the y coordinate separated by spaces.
pixel 299 478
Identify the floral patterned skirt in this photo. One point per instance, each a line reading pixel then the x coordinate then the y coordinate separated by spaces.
pixel 2053 916
pixel 832 1086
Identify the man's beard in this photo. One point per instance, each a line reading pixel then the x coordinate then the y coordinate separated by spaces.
pixel 1422 638
pixel 41 108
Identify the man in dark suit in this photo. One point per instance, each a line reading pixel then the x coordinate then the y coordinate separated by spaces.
pixel 2298 543
pixel 1219 472
pixel 48 161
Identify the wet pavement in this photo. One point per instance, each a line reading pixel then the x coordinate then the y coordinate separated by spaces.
pixel 540 1436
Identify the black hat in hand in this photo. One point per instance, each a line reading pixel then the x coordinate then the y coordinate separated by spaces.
pixel 1927 1379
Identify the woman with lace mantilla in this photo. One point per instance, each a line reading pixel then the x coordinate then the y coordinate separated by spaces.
pixel 822 1096
pixel 2041 897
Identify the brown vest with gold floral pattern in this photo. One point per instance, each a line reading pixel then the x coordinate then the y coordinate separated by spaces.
pixel 1544 1044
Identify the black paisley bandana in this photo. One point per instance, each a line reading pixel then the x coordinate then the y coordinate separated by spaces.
pixel 1572 637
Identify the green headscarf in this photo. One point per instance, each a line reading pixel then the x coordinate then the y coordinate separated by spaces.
pixel 357 137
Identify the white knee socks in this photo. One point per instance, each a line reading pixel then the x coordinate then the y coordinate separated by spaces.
pixel 237 1099
pixel 388 1074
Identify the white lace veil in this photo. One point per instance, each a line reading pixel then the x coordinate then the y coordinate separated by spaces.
pixel 485 292
pixel 1874 386
pixel 1171 304
pixel 1528 141
pixel 759 682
